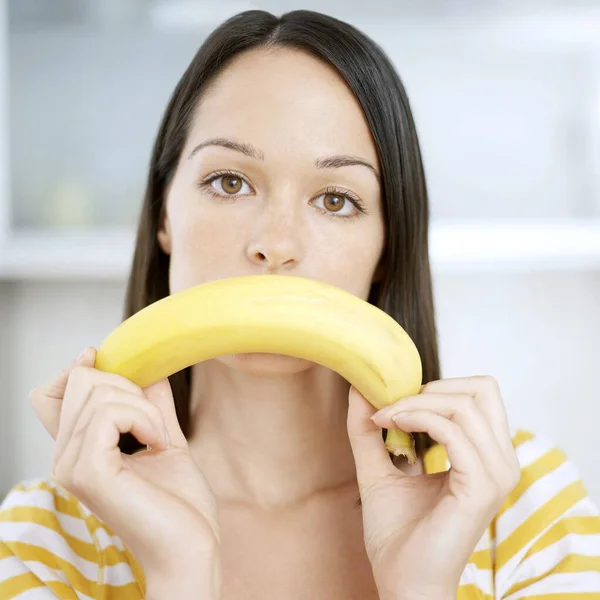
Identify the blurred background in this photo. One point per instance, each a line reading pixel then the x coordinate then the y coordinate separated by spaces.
pixel 506 95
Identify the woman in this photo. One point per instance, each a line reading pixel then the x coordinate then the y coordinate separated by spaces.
pixel 289 147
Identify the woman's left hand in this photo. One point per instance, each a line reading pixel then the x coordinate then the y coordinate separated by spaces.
pixel 420 530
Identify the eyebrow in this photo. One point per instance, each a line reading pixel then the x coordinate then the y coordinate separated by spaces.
pixel 326 162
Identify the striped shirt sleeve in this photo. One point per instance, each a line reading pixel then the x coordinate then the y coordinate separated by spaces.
pixel 547 533
pixel 52 547
pixel 46 550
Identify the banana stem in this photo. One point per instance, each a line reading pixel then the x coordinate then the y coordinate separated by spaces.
pixel 400 443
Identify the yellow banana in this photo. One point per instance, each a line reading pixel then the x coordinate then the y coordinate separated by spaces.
pixel 278 314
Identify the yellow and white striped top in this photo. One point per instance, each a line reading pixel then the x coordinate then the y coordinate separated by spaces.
pixel 544 543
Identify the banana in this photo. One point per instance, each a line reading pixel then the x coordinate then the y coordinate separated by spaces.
pixel 279 314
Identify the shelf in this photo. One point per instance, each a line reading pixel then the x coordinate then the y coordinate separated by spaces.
pixel 519 245
pixel 81 255
pixel 455 246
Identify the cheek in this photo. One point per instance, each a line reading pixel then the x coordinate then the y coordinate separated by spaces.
pixel 348 255
pixel 203 249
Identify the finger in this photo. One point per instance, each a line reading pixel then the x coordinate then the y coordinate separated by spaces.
pixel 461 409
pixel 95 445
pixel 80 386
pixel 112 420
pixel 55 388
pixel 372 460
pixel 461 453
pixel 47 399
pixel 161 395
pixel 106 394
pixel 486 391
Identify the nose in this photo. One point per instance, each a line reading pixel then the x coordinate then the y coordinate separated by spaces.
pixel 275 244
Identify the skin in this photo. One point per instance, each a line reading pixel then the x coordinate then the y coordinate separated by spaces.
pixel 275 223
pixel 261 418
pixel 281 447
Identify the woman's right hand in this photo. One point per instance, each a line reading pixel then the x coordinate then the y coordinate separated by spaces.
pixel 157 501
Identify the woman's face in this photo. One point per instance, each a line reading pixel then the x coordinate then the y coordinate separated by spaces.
pixel 290 198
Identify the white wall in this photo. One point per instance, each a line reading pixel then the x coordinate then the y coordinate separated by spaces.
pixel 49 325
pixel 538 335
pixel 7 403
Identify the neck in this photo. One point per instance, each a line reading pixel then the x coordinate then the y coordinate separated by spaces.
pixel 271 436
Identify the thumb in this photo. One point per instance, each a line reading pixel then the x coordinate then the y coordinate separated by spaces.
pixel 161 395
pixel 55 388
pixel 372 460
pixel 47 399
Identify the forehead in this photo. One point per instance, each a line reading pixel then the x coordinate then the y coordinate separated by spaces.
pixel 284 100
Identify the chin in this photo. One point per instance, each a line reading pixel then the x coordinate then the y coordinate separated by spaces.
pixel 262 363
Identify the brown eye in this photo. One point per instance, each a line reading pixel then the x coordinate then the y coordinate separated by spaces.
pixel 228 186
pixel 232 185
pixel 333 202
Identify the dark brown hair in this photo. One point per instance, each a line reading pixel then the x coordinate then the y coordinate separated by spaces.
pixel 405 291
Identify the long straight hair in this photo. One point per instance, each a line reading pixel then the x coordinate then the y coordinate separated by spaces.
pixel 405 290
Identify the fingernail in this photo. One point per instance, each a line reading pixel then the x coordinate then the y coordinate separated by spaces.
pixel 81 355
pixel 384 412
pixel 399 415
